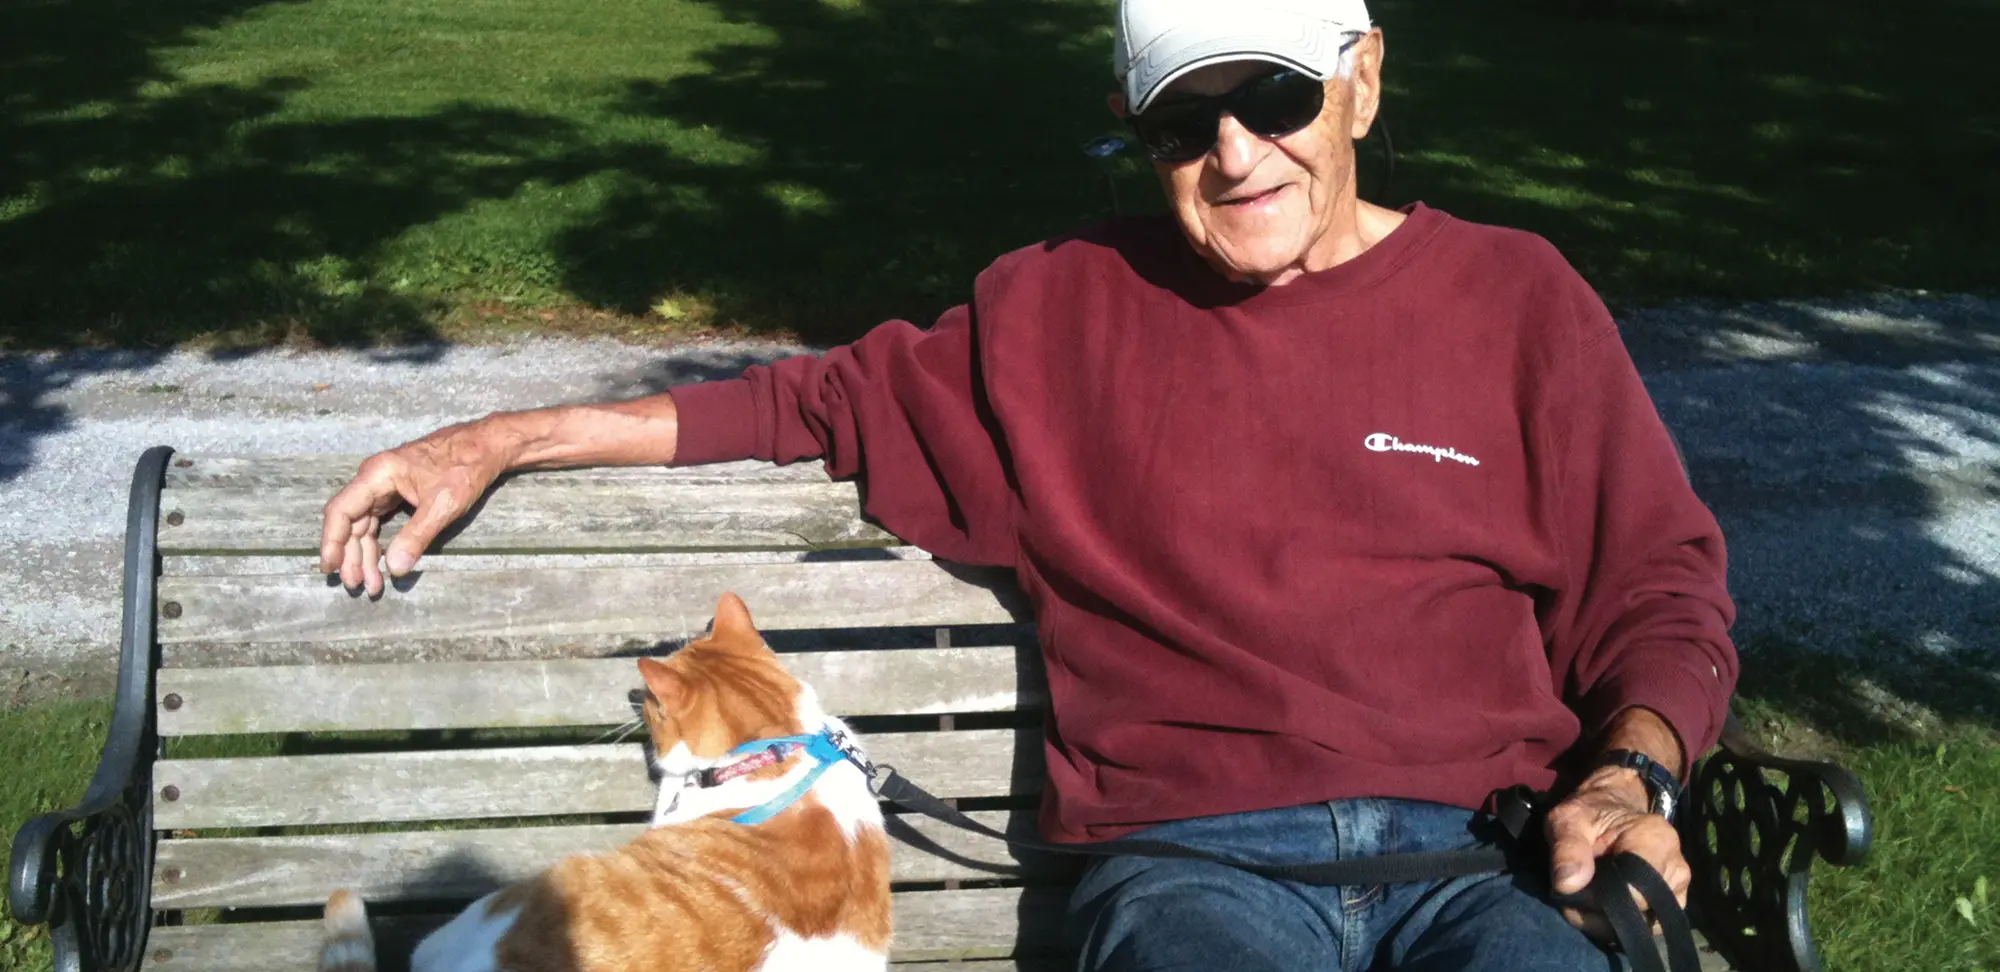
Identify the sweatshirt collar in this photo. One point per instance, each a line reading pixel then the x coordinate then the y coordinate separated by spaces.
pixel 1365 270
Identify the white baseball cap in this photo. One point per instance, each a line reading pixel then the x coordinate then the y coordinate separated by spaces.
pixel 1157 41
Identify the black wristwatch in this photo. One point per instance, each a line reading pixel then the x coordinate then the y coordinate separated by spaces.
pixel 1663 789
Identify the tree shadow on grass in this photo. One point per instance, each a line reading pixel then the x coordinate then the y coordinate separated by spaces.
pixel 1756 150
pixel 885 150
pixel 898 146
pixel 1875 694
pixel 884 132
pixel 139 211
pixel 249 237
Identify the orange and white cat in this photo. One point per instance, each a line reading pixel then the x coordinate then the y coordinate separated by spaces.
pixel 807 888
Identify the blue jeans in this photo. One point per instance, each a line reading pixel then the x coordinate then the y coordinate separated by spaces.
pixel 1130 914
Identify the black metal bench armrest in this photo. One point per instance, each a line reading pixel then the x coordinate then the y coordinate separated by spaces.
pixel 87 871
pixel 1751 826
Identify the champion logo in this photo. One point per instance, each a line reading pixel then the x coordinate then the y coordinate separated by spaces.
pixel 1384 442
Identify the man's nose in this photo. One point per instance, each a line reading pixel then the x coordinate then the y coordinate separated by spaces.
pixel 1237 149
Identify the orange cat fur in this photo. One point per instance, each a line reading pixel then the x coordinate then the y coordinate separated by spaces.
pixel 806 889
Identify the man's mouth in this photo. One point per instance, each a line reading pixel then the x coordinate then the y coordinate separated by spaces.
pixel 1251 198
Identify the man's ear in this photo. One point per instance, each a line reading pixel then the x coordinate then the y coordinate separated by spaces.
pixel 1116 102
pixel 1366 84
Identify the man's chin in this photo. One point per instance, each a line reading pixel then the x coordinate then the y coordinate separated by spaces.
pixel 1261 265
pixel 1254 248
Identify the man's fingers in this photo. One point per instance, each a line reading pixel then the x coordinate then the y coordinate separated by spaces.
pixel 1654 841
pixel 333 534
pixel 350 563
pixel 1572 851
pixel 1678 876
pixel 335 529
pixel 432 515
pixel 439 476
pixel 363 497
pixel 371 556
pixel 1574 865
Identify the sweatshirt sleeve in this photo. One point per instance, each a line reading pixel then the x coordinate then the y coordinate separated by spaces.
pixel 1644 616
pixel 902 409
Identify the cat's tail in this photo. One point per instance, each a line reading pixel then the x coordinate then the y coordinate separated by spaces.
pixel 349 946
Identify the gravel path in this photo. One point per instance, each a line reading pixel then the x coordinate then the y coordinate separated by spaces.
pixel 1851 450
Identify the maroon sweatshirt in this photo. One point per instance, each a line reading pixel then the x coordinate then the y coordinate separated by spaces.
pixel 1406 527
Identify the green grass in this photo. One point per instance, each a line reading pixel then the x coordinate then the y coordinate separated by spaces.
pixel 1938 845
pixel 240 172
pixel 53 748
pixel 1915 731
pixel 1922 731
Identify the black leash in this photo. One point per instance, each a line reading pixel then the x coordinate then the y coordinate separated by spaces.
pixel 1610 889
pixel 1387 869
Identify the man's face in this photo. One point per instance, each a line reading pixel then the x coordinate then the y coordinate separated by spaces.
pixel 1261 208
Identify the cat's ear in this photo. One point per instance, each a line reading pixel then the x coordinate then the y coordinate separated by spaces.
pixel 732 619
pixel 667 685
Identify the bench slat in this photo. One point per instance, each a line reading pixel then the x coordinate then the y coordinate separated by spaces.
pixel 264 654
pixel 649 602
pixel 459 865
pixel 930 925
pixel 524 781
pixel 574 692
pixel 330 471
pixel 545 515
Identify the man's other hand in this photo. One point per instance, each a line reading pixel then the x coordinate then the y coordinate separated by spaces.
pixel 439 476
pixel 1608 815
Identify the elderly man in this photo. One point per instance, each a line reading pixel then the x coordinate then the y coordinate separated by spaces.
pixel 1336 520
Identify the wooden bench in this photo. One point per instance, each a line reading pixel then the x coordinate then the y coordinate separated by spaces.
pixel 275 738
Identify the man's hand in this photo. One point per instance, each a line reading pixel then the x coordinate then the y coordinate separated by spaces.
pixel 1607 815
pixel 444 473
pixel 440 476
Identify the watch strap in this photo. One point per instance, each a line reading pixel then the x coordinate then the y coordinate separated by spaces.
pixel 1663 788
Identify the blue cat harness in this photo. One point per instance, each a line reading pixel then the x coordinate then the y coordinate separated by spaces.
pixel 825 749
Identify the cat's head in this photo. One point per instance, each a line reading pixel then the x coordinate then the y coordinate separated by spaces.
pixel 719 692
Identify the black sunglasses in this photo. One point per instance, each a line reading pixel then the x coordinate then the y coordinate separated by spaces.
pixel 1271 105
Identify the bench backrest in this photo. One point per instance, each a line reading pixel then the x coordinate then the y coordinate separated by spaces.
pixel 451 736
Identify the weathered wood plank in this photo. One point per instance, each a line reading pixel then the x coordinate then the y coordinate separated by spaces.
pixel 329 472
pixel 643 602
pixel 982 923
pixel 459 865
pixel 528 781
pixel 573 692
pixel 245 565
pixel 930 925
pixel 536 514
pixel 398 651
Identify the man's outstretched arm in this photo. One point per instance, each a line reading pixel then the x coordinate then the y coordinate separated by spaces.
pixel 444 473
pixel 901 404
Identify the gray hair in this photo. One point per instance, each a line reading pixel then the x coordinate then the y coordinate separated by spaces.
pixel 1344 69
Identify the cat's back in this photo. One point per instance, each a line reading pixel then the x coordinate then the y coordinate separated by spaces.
pixel 794 893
